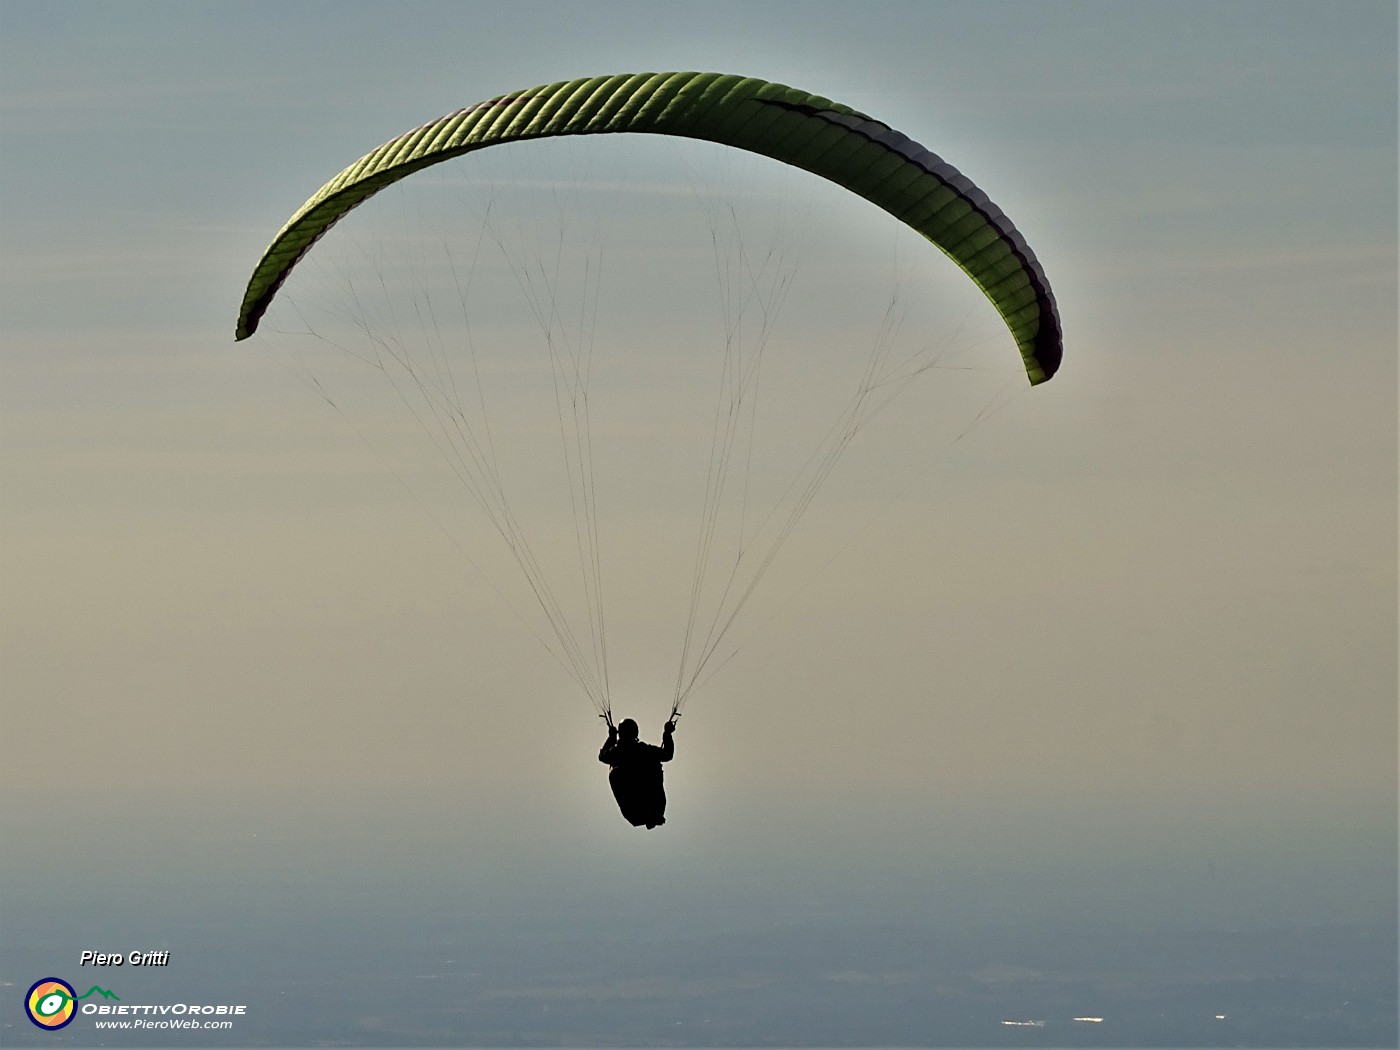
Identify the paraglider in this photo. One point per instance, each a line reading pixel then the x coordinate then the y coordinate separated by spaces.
pixel 856 152
pixel 635 773
pixel 826 138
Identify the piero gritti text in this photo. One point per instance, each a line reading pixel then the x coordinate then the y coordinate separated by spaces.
pixel 132 958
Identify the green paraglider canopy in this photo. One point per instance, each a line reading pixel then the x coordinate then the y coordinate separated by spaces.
pixel 831 140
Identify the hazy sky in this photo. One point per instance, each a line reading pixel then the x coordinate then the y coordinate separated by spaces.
pixel 1152 602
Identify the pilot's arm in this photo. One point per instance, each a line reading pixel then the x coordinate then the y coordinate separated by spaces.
pixel 605 752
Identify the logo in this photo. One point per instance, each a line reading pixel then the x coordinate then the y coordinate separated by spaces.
pixel 51 1002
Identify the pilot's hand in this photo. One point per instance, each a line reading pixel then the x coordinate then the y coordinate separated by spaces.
pixel 671 726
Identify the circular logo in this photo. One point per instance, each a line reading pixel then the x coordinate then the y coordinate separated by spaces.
pixel 49 1003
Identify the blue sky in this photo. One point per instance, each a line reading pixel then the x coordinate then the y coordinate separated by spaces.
pixel 1150 603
